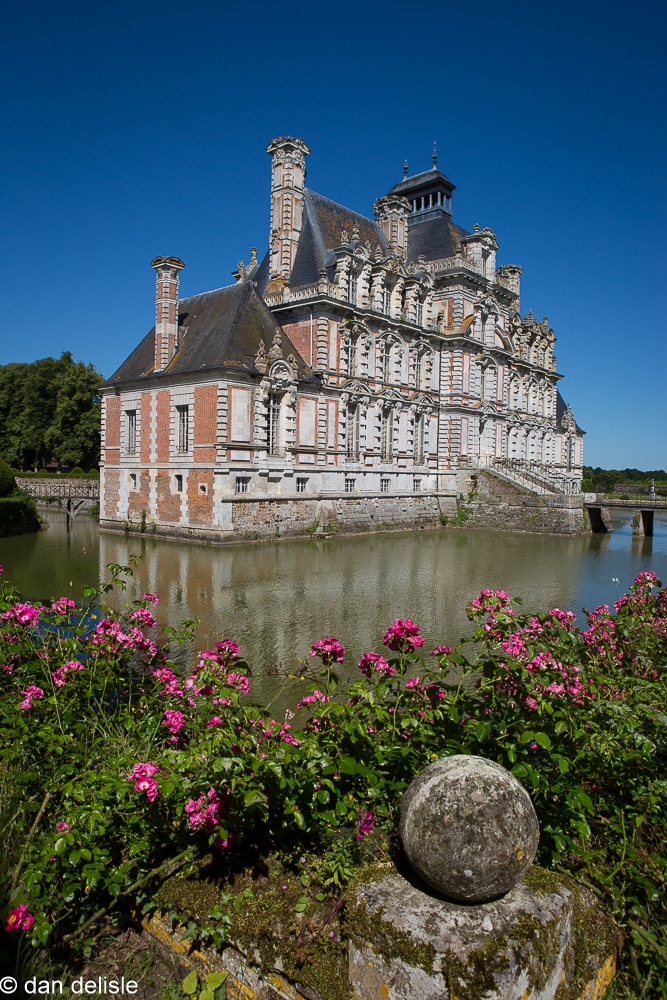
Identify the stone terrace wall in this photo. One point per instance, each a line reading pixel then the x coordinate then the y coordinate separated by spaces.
pixel 242 519
pixel 493 502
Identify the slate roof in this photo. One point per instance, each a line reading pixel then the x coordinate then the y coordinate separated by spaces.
pixel 561 407
pixel 427 180
pixel 323 223
pixel 224 328
pixel 434 237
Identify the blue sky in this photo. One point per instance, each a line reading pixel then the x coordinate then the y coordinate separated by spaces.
pixel 136 129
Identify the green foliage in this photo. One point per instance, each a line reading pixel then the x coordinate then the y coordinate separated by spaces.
pixel 609 480
pixel 118 768
pixel 7 481
pixel 49 408
pixel 18 514
pixel 76 471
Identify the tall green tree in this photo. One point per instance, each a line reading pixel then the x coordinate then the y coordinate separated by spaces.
pixel 50 409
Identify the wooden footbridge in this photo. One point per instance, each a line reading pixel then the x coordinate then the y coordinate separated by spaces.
pixel 600 505
pixel 74 493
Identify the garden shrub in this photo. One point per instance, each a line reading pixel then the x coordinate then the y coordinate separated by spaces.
pixel 76 471
pixel 129 767
pixel 18 514
pixel 7 481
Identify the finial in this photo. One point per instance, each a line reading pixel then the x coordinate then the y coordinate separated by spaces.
pixel 405 168
pixel 435 156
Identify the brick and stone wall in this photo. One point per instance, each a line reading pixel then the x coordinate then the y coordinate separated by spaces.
pixel 489 501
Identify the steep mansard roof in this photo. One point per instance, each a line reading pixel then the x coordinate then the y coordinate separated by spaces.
pixel 220 329
pixel 434 237
pixel 324 220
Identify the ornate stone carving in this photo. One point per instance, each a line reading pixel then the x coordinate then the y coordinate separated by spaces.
pixel 261 361
pixel 276 350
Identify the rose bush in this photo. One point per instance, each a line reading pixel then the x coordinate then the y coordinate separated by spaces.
pixel 117 766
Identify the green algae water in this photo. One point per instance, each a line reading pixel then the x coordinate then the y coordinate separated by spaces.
pixel 276 598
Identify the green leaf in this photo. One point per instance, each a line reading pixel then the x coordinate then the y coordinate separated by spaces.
pixel 299 820
pixel 543 740
pixel 527 737
pixel 301 904
pixel 483 730
pixel 348 765
pixel 189 984
pixel 586 802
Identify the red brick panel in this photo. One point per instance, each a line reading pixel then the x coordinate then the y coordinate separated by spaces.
pixel 145 427
pixel 137 500
pixel 206 414
pixel 200 496
pixel 168 503
pixel 112 422
pixel 111 492
pixel 163 408
pixel 300 335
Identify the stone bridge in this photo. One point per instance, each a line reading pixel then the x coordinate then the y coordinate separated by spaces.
pixel 600 505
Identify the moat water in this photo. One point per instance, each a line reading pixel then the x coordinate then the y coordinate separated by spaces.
pixel 276 598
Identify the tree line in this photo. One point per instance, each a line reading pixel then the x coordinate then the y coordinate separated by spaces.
pixel 597 480
pixel 50 411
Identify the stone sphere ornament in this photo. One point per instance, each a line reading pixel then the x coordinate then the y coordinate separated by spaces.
pixel 468 828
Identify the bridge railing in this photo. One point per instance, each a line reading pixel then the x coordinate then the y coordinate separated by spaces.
pixel 62 488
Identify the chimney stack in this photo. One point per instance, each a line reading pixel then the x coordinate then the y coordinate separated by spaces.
pixel 166 308
pixel 288 176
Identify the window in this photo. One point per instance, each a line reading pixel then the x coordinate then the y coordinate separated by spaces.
pixel 352 432
pixel 386 435
pixel 179 484
pixel 416 484
pixel 353 357
pixel 419 439
pixel 418 371
pixel 131 416
pixel 350 484
pixel 420 313
pixel 385 359
pixel 183 416
pixel 384 485
pixel 301 485
pixel 203 489
pixel 133 481
pixel 242 483
pixel 273 423
pixel 353 288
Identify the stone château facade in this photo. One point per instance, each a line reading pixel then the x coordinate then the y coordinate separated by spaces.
pixel 357 375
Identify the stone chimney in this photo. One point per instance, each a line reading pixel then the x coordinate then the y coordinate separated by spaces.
pixel 288 176
pixel 166 308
